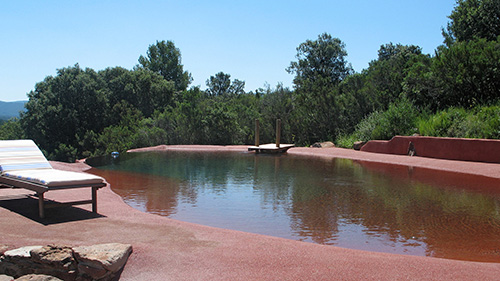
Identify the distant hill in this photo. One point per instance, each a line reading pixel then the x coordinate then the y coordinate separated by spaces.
pixel 11 109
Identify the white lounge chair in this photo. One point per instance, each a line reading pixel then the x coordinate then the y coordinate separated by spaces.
pixel 23 165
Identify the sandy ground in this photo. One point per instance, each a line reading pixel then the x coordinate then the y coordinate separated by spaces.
pixel 166 249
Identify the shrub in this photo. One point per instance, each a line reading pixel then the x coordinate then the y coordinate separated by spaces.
pixel 479 122
pixel 11 130
pixel 346 141
pixel 399 119
pixel 442 124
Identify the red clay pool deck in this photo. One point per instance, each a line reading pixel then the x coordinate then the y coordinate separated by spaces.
pixel 166 249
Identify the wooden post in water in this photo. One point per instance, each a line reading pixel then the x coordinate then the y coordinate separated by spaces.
pixel 257 138
pixel 278 132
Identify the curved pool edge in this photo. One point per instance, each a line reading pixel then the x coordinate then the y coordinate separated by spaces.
pixel 465 167
pixel 166 249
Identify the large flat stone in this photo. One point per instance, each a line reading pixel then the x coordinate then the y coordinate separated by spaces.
pixel 37 277
pixel 61 257
pixel 97 260
pixel 20 253
pixel 4 277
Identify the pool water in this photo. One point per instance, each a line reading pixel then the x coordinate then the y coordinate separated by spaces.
pixel 352 204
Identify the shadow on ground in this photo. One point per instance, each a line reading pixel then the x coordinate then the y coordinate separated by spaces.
pixel 27 206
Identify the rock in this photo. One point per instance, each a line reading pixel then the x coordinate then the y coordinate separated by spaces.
pixel 3 249
pixel 17 262
pixel 357 145
pixel 20 253
pixel 51 260
pixel 95 273
pixel 59 257
pixel 323 144
pixel 99 261
pixel 37 277
pixel 56 260
pixel 4 277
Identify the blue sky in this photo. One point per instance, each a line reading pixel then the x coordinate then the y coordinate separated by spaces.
pixel 253 41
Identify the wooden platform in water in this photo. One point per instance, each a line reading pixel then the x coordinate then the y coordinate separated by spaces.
pixel 271 148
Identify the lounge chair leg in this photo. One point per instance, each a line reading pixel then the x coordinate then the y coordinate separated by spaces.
pixel 41 205
pixel 94 199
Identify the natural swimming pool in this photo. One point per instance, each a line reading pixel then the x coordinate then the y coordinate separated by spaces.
pixel 359 205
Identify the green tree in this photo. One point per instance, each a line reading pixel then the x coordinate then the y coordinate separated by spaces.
pixel 320 61
pixel 468 73
pixel 221 85
pixel 220 122
pixel 321 65
pixel 142 89
pixel 385 76
pixel 11 130
pixel 473 19
pixel 184 123
pixel 164 58
pixel 63 109
pixel 246 109
pixel 275 104
pixel 237 87
pixel 419 83
pixel 354 101
pixel 120 137
pixel 80 112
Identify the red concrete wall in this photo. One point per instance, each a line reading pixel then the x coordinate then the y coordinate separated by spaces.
pixel 478 150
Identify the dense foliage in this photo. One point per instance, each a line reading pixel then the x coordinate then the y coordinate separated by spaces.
pixel 165 59
pixel 320 67
pixel 473 19
pixel 454 92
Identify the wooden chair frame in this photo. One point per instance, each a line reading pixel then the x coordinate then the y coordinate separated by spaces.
pixel 40 190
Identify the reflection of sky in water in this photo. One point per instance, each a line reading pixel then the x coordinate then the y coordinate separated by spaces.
pixel 239 208
pixel 362 205
pixel 350 234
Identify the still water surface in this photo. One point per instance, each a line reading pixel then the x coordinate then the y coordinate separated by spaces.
pixel 352 204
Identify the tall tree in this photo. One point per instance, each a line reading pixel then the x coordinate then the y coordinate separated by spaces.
pixel 321 65
pixel 165 59
pixel 144 90
pixel 468 73
pixel 64 110
pixel 473 19
pixel 275 104
pixel 320 61
pixel 237 87
pixel 384 76
pixel 221 85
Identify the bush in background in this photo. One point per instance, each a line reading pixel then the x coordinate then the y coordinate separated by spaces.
pixel 479 122
pixel 399 119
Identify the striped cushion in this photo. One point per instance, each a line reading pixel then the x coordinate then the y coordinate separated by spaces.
pixel 53 177
pixel 21 155
pixel 22 159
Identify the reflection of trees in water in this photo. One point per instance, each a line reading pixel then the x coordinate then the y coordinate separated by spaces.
pixel 450 223
pixel 150 193
pixel 326 194
pixel 273 186
pixel 395 203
